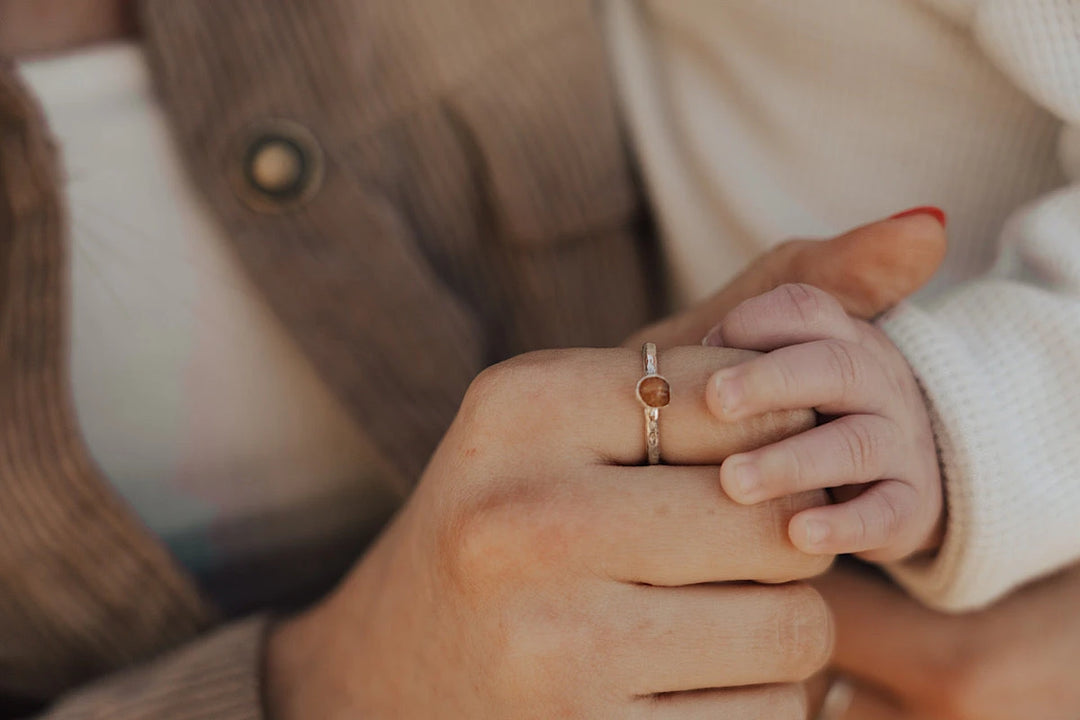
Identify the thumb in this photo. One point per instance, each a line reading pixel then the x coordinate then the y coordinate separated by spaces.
pixel 868 269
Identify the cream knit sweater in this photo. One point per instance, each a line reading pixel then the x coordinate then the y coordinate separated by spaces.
pixel 762 119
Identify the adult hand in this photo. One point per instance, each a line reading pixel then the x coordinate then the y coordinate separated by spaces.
pixel 533 574
pixel 540 570
pixel 868 270
pixel 1017 659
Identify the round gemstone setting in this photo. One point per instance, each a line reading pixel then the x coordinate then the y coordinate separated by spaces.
pixel 654 391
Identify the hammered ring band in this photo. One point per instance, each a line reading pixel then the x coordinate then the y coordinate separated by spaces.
pixel 653 392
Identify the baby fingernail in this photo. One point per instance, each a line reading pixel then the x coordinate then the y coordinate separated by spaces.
pixel 727 393
pixel 815 532
pixel 746 482
pixel 713 338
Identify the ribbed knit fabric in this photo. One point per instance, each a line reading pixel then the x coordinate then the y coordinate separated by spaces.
pixel 84 590
pixel 217 678
pixel 999 357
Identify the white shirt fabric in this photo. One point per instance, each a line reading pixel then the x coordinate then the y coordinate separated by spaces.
pixel 761 120
pixel 192 398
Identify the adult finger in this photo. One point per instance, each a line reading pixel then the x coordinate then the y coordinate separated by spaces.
pixel 850 450
pixel 868 269
pixel 780 702
pixel 674 526
pixel 873 267
pixel 720 636
pixel 575 406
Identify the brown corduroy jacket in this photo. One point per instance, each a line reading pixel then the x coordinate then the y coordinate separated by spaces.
pixel 465 195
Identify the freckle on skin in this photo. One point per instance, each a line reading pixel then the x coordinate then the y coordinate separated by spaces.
pixel 662 511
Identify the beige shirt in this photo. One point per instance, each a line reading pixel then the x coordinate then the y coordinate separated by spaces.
pixel 474 183
pixel 193 399
pixel 763 120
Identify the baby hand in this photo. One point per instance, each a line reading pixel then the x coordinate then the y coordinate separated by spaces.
pixel 875 436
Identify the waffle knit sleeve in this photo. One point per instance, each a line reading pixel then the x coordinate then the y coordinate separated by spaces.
pixel 999 358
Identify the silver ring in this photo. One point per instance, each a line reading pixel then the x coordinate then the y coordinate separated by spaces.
pixel 838 699
pixel 653 392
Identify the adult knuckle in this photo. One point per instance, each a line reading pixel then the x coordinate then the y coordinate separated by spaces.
pixel 568 648
pixel 472 544
pixel 489 385
pixel 487 399
pixel 508 401
pixel 503 532
pixel 505 382
pixel 548 651
pixel 549 640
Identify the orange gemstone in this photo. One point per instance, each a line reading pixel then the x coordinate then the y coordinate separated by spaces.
pixel 654 391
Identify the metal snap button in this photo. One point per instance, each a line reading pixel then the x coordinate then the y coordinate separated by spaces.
pixel 281 166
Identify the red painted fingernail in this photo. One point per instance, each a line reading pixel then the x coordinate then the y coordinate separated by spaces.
pixel 936 212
